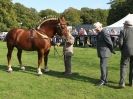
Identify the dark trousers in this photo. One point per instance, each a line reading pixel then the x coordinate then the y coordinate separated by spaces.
pixel 131 71
pixel 103 68
pixel 67 63
pixel 123 67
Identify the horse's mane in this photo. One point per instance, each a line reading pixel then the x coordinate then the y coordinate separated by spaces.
pixel 45 19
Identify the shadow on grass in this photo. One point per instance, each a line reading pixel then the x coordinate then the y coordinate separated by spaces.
pixel 28 69
pixel 32 70
pixel 78 77
pixel 113 85
pixel 74 76
pixel 4 68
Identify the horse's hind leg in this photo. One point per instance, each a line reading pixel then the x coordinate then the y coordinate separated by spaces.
pixel 46 61
pixel 19 55
pixel 9 55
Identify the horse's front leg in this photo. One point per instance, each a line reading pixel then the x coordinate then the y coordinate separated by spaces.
pixel 9 55
pixel 19 54
pixel 40 57
pixel 46 61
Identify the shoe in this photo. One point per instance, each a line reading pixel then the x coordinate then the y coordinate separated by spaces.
pixel 122 85
pixel 67 74
pixel 101 83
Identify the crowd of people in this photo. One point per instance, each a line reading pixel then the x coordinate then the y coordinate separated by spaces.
pixel 88 38
pixel 104 49
pixel 85 38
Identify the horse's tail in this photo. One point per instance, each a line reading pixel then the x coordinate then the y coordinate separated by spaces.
pixel 5 39
pixel 9 34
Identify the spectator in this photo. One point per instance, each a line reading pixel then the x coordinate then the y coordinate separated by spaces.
pixel 114 37
pixel 126 47
pixel 104 49
pixel 76 37
pixel 74 32
pixel 82 33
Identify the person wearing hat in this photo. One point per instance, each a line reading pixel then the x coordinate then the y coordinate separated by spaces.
pixel 126 48
pixel 68 52
pixel 104 50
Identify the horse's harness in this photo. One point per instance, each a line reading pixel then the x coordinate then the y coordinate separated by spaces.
pixel 42 36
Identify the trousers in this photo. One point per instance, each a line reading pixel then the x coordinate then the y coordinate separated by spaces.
pixel 67 63
pixel 103 68
pixel 123 68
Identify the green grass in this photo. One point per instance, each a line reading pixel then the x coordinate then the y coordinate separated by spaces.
pixel 53 85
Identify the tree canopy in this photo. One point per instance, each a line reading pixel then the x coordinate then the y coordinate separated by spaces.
pixel 17 15
pixel 119 9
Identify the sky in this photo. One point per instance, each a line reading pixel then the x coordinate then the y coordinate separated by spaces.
pixel 60 5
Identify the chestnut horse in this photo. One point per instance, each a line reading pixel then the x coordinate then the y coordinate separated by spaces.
pixel 35 40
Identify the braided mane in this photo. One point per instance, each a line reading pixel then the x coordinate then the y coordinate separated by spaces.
pixel 45 19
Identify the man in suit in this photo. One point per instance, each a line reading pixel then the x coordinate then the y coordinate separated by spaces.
pixel 104 50
pixel 126 48
pixel 68 52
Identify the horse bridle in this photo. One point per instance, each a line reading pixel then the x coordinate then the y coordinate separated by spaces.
pixel 60 27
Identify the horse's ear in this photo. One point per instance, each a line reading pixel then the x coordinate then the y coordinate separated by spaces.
pixel 62 18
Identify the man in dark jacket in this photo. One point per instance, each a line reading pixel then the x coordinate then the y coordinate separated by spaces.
pixel 104 50
pixel 126 47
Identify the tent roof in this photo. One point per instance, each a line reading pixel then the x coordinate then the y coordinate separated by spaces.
pixel 120 22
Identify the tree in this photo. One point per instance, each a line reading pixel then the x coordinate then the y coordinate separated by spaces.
pixel 29 17
pixel 72 15
pixel 89 16
pixel 8 19
pixel 118 6
pixel 129 4
pixel 48 12
pixel 101 15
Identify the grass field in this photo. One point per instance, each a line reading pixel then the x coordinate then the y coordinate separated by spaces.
pixel 53 85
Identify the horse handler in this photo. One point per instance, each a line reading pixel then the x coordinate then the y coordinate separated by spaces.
pixel 68 52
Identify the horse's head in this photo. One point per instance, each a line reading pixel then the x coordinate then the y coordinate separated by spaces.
pixel 62 27
pixel 51 26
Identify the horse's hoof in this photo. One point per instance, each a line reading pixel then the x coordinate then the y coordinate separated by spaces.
pixel 46 70
pixel 9 70
pixel 22 68
pixel 39 73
